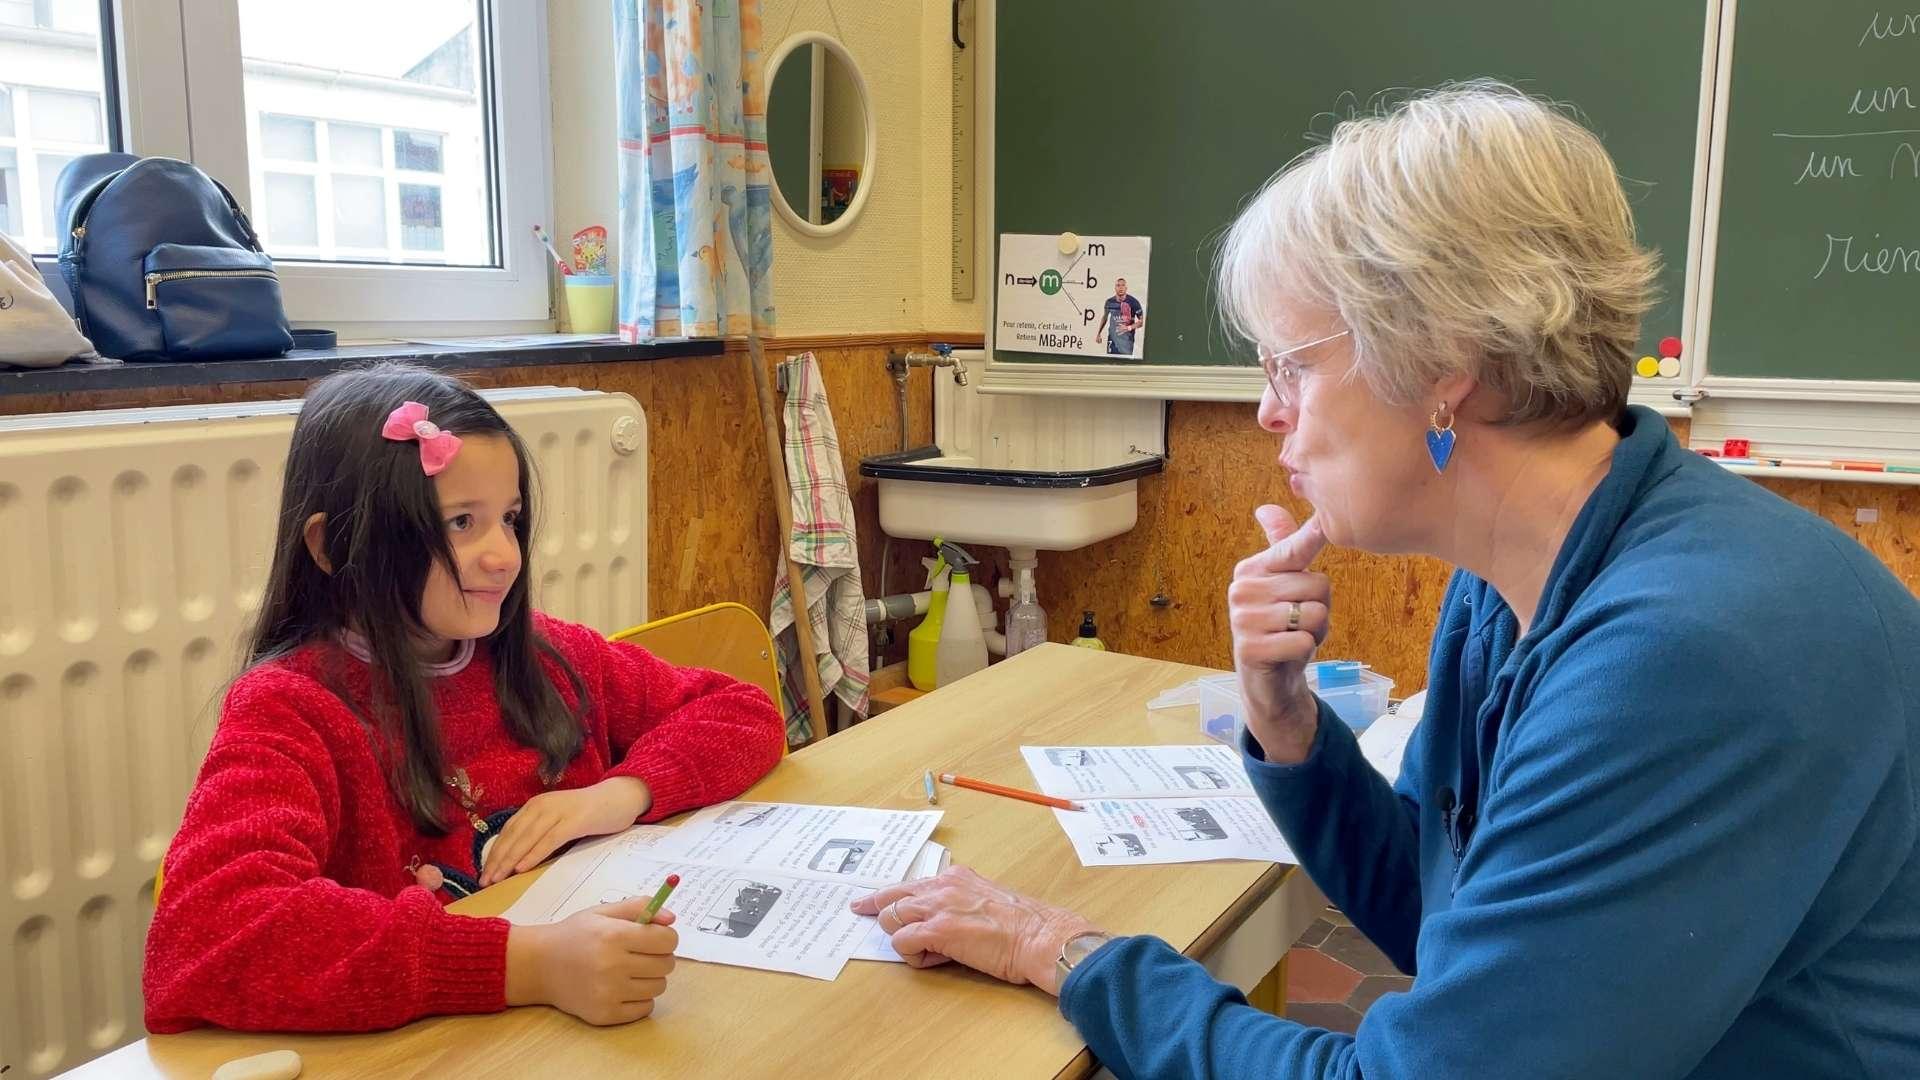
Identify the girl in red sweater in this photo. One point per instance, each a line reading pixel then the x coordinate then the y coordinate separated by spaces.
pixel 408 730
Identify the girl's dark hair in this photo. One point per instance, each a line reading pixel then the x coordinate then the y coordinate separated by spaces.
pixel 383 533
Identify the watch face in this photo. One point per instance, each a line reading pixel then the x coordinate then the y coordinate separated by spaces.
pixel 1082 946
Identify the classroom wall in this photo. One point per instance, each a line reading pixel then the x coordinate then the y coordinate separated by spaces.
pixel 713 535
pixel 887 272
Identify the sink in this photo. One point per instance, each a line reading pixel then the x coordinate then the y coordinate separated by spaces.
pixel 925 493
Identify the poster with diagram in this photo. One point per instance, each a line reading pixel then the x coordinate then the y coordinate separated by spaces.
pixel 1082 296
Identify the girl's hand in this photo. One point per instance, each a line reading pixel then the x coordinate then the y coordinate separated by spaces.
pixel 550 820
pixel 598 964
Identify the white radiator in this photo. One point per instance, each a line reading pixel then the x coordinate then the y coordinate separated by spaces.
pixel 134 546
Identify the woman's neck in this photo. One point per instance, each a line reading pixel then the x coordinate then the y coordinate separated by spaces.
pixel 1516 499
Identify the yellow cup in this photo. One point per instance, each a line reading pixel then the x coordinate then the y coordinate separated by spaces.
pixel 589 303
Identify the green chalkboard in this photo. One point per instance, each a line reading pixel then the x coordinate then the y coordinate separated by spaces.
pixel 1817 270
pixel 1134 117
pixel 790 129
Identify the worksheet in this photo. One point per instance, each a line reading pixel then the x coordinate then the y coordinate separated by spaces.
pixel 763 885
pixel 1384 743
pixel 850 845
pixel 1135 832
pixel 1137 772
pixel 878 944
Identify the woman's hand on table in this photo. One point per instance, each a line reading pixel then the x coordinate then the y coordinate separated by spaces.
pixel 962 916
pixel 1280 613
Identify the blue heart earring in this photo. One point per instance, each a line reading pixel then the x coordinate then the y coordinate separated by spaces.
pixel 1440 439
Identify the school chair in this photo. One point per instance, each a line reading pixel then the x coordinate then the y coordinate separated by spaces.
pixel 728 638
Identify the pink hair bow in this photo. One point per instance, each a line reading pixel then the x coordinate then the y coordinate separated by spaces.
pixel 409 423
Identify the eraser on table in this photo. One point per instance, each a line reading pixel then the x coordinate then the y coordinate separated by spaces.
pixel 1647 368
pixel 273 1065
pixel 1069 243
pixel 1669 346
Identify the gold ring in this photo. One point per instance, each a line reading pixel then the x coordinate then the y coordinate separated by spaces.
pixel 1293 615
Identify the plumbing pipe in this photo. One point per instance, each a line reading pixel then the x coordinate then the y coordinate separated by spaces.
pixel 996 642
pixel 881 609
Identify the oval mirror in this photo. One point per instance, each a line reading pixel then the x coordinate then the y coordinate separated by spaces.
pixel 820 134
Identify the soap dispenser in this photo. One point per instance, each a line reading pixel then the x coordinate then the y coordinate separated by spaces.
pixel 1089 634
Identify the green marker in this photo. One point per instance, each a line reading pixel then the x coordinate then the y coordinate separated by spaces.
pixel 659 898
pixel 1904 468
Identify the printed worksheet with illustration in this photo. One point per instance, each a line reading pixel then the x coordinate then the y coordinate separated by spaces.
pixel 763 885
pixel 1137 772
pixel 878 944
pixel 1134 832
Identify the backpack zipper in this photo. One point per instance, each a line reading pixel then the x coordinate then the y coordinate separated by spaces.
pixel 154 281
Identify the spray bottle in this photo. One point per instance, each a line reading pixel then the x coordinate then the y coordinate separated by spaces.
pixel 962 648
pixel 924 639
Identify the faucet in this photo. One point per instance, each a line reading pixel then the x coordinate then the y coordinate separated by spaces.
pixel 940 357
pixel 900 364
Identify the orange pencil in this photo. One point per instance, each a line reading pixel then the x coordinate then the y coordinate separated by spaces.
pixel 1009 792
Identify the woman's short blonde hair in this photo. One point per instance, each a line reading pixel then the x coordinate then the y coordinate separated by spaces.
pixel 1468 229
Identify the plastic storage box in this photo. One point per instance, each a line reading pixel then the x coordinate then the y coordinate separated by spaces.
pixel 1352 689
pixel 1223 714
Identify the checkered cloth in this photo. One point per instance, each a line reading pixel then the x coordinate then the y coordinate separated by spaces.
pixel 824 544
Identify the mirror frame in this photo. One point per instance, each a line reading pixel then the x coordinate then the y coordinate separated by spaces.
pixel 787 212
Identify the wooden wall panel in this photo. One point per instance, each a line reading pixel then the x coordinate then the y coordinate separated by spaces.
pixel 1196 522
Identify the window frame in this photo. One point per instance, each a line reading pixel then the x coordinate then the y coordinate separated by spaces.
pixel 29 146
pixel 183 56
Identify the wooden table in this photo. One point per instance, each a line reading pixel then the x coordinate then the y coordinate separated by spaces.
pixel 879 1020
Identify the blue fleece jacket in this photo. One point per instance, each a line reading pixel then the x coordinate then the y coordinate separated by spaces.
pixel 1670 832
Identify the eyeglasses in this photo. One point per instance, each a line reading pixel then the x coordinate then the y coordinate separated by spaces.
pixel 1282 373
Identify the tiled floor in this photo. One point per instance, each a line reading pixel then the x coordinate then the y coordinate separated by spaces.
pixel 1334 973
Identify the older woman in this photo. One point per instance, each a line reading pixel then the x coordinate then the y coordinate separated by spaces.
pixel 1660 816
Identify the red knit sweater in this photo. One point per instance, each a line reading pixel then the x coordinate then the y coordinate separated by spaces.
pixel 288 902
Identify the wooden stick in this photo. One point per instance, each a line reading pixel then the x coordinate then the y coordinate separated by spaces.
pixel 817 725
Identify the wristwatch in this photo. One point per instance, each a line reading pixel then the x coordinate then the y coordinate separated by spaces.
pixel 1078 948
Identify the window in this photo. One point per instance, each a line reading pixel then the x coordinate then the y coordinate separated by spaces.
pixel 286 138
pixel 416 150
pixel 364 138
pixel 53 108
pixel 359 211
pixel 10 205
pixel 393 128
pixel 355 146
pixel 420 217
pixel 293 215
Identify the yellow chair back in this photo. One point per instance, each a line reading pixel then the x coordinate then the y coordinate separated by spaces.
pixel 728 638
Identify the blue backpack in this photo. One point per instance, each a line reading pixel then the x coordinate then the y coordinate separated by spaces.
pixel 163 264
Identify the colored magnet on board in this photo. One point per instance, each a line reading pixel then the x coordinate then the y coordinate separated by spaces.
pixel 1670 367
pixel 1647 368
pixel 1737 447
pixel 1669 346
pixel 1069 243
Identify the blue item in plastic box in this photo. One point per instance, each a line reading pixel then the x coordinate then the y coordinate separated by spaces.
pixel 1351 689
pixel 1222 712
pixel 1354 692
